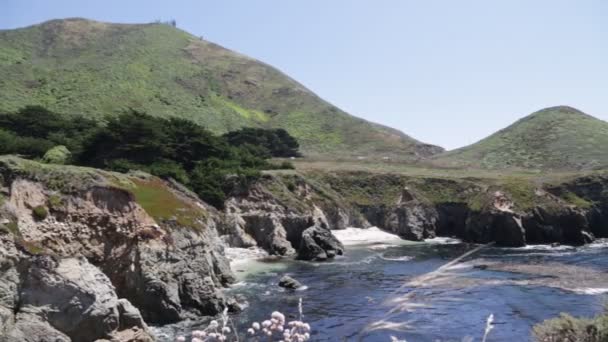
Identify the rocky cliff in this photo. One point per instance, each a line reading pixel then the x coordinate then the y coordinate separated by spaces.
pixel 89 255
pixel 507 210
pixel 511 211
pixel 287 214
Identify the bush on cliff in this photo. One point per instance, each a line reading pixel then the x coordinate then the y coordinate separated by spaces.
pixel 212 166
pixel 276 142
pixel 33 130
pixel 570 329
pixel 57 155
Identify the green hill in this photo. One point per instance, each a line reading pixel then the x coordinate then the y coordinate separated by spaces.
pixel 86 67
pixel 552 138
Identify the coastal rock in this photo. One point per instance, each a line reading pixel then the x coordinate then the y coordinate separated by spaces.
pixel 410 218
pixel 497 223
pixel 504 228
pixel 318 243
pixel 70 299
pixel 289 283
pixel 171 282
pixel 275 213
pixel 168 269
pixel 563 225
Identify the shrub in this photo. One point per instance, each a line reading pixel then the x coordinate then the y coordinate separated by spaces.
pixel 55 201
pixel 57 155
pixel 40 213
pixel 277 142
pixel 566 328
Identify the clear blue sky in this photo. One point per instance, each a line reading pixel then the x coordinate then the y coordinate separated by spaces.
pixel 445 72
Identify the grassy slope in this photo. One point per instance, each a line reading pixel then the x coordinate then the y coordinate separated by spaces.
pixel 553 138
pixel 82 66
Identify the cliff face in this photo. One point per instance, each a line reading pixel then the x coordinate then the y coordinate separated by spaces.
pixel 74 232
pixel 288 215
pixel 508 211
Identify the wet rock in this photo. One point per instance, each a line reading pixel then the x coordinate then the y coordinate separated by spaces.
pixel 564 225
pixel 452 219
pixel 289 283
pixel 503 227
pixel 318 243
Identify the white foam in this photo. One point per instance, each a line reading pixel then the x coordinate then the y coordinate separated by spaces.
pixel 545 247
pixel 240 255
pixel 591 290
pixel 601 243
pixel 443 241
pixel 366 236
pixel 401 258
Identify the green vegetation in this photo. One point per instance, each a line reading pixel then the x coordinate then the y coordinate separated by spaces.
pixel 40 213
pixel 575 200
pixel 275 142
pixel 57 155
pixel 62 178
pixel 213 166
pixel 551 139
pixel 570 329
pixel 55 201
pixel 66 66
pixel 11 227
pixel 35 131
pixel 163 205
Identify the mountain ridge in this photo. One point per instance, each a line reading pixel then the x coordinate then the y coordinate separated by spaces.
pixel 559 137
pixel 66 66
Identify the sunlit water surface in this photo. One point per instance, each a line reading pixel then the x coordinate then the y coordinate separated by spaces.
pixel 520 286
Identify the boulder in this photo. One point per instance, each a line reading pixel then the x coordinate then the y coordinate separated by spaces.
pixel 318 243
pixel 70 299
pixel 289 283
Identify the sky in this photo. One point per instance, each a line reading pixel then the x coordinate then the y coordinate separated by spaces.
pixel 444 72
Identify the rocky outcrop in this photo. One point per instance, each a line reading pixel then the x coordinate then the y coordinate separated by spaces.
pixel 289 283
pixel 71 232
pixel 497 223
pixel 318 243
pixel 409 217
pixel 287 216
pixel 70 299
pixel 509 212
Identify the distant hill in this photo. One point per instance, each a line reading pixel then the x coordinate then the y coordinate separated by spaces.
pixel 553 138
pixel 94 68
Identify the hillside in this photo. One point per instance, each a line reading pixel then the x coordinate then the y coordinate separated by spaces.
pixel 558 138
pixel 81 66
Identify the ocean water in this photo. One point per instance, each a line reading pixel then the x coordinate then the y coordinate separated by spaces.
pixel 385 287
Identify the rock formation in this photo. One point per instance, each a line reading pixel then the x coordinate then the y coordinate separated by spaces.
pixel 83 259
